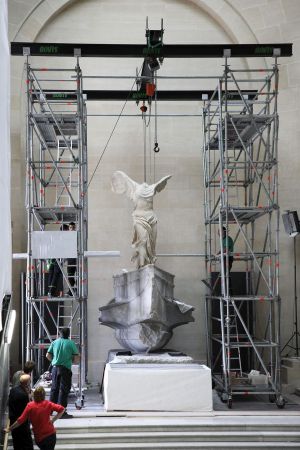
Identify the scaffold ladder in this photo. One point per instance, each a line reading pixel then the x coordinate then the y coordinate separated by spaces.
pixel 64 317
pixel 62 195
pixel 234 352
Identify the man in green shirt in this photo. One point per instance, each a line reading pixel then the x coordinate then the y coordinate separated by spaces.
pixel 228 247
pixel 62 353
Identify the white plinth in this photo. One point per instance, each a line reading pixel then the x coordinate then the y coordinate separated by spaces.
pixel 157 387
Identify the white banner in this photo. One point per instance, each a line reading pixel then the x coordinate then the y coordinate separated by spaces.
pixel 5 216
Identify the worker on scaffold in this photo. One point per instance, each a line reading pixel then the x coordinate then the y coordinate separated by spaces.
pixel 228 248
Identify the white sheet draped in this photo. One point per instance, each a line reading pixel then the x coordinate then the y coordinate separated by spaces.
pixel 5 213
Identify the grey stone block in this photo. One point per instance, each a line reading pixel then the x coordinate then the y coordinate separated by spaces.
pixel 144 310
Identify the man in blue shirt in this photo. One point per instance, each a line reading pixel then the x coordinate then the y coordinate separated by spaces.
pixel 62 353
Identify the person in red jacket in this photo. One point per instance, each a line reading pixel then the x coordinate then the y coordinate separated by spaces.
pixel 39 413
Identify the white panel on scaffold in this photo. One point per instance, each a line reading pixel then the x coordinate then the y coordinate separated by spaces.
pixel 157 387
pixel 54 244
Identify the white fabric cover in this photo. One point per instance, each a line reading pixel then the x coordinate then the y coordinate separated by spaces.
pixel 5 216
pixel 157 387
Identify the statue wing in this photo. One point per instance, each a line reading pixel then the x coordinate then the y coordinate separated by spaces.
pixel 122 184
pixel 161 184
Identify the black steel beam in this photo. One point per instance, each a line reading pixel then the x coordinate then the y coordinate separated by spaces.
pixel 140 96
pixel 141 51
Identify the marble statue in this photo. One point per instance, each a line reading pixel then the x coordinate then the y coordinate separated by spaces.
pixel 144 218
pixel 143 312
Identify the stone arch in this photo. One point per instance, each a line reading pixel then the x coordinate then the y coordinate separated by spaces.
pixel 226 15
pixel 222 12
pixel 38 17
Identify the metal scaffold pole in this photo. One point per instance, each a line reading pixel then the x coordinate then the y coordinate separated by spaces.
pixel 241 196
pixel 56 196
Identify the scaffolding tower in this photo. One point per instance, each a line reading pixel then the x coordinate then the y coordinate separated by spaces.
pixel 56 187
pixel 241 201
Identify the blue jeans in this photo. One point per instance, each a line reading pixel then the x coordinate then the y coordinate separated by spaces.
pixel 61 385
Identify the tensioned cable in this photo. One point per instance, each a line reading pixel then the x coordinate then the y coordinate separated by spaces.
pixel 156 148
pixel 183 77
pixel 155 128
pixel 145 145
pixel 111 134
pixel 149 115
pixel 149 147
pixel 138 115
pixel 146 125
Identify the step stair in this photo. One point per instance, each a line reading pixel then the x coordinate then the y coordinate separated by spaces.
pixel 203 435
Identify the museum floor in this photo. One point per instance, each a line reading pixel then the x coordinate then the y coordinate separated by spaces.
pixel 252 405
